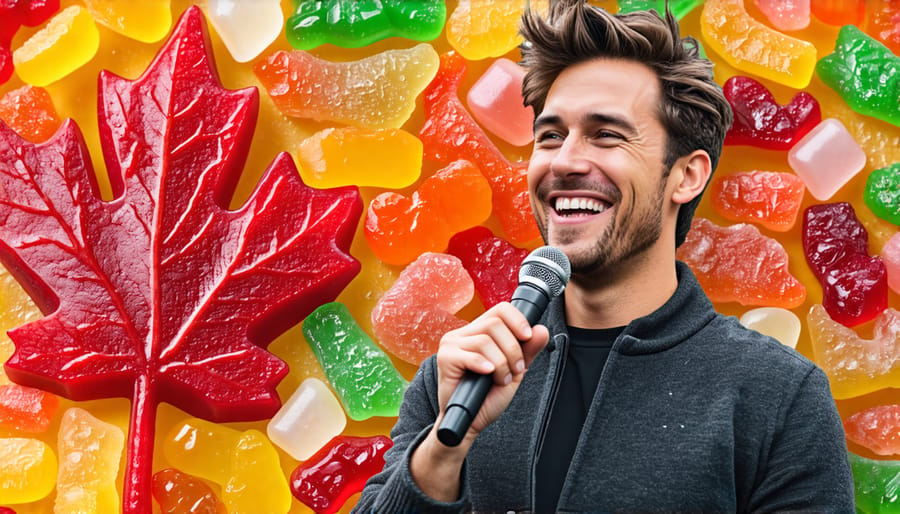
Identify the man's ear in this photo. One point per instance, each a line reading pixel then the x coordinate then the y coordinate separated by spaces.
pixel 691 174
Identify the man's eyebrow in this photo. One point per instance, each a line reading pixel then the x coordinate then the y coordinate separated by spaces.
pixel 543 120
pixel 589 118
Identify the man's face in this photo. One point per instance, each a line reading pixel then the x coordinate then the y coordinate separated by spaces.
pixel 596 174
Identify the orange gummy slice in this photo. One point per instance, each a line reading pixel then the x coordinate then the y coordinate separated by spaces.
pixel 479 29
pixel 26 409
pixel 30 112
pixel 769 198
pixel 739 264
pixel 878 429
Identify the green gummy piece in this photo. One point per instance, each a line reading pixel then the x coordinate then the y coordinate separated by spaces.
pixel 357 23
pixel 365 379
pixel 882 194
pixel 877 485
pixel 865 73
pixel 679 8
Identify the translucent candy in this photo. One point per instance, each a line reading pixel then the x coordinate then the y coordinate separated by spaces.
pixel 492 262
pixel 89 454
pixel 14 14
pixel 761 121
pixel 882 194
pixel 839 12
pixel 246 28
pixel 826 158
pixel 769 198
pixel 65 44
pixel 400 228
pixel 738 263
pixel 180 493
pixel 479 29
pixel 334 157
pixel 856 366
pixel 27 470
pixel 26 409
pixel 307 420
pixel 201 448
pixel 884 24
pixel 420 307
pixel 146 21
pixel 876 428
pixel 890 254
pixel 376 92
pixel 786 14
pixel 256 483
pixel 876 485
pixel 495 101
pixel 29 111
pixel 750 46
pixel 776 322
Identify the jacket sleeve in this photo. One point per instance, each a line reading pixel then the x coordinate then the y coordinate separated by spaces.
pixel 807 467
pixel 393 490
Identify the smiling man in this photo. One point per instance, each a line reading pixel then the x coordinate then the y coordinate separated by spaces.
pixel 632 394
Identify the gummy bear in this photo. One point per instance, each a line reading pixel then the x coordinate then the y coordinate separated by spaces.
pixel 769 198
pixel 492 262
pixel 65 44
pixel 146 21
pixel 27 470
pixel 400 228
pixel 357 23
pixel 376 92
pixel 786 14
pixel 877 429
pixel 827 158
pixel 738 263
pixel 246 28
pixel 479 29
pixel 336 472
pixel 310 418
pixel 29 111
pixel 201 448
pixel 882 193
pixel 760 121
pixel 837 249
pixel 875 485
pixel 26 409
pixel 256 482
pixel 839 12
pixel 180 493
pixel 679 8
pixel 776 322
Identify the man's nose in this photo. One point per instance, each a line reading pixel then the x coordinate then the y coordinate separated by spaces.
pixel 571 158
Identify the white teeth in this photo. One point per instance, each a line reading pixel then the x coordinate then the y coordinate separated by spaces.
pixel 571 204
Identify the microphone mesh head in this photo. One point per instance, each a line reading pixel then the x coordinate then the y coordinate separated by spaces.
pixel 550 266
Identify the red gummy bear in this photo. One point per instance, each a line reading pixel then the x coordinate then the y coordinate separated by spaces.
pixel 492 262
pixel 762 122
pixel 14 14
pixel 836 245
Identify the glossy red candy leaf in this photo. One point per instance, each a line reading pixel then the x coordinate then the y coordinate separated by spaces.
pixel 163 294
pixel 762 122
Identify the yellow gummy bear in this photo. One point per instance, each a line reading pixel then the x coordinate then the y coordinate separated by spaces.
pixel 752 47
pixel 389 158
pixel 146 21
pixel 27 470
pixel 257 483
pixel 479 29
pixel 89 454
pixel 68 41
pixel 202 448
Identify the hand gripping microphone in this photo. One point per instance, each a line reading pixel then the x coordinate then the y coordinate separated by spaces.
pixel 543 276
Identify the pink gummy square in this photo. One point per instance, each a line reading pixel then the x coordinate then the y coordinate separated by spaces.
pixel 826 158
pixel 495 101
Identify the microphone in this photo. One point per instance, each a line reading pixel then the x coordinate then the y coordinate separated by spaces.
pixel 542 276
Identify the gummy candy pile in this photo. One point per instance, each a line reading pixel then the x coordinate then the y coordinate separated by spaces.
pixel 231 258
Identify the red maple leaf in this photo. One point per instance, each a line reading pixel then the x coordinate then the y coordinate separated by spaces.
pixel 163 294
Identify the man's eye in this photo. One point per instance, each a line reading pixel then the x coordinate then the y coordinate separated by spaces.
pixel 546 136
pixel 606 134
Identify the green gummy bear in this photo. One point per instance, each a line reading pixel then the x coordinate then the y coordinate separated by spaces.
pixel 882 194
pixel 865 73
pixel 876 483
pixel 357 23
pixel 365 379
pixel 678 7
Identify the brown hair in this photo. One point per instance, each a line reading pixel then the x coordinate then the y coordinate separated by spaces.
pixel 693 110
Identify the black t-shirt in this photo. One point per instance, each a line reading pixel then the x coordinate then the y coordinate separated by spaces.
pixel 587 353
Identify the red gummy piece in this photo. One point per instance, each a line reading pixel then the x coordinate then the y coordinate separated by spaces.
pixel 6 510
pixel 839 12
pixel 762 122
pixel 450 133
pixel 884 23
pixel 338 471
pixel 26 409
pixel 29 111
pixel 492 262
pixel 769 198
pixel 181 493
pixel 14 14
pixel 836 245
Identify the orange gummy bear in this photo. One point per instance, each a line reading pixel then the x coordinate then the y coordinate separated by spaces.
pixel 30 112
pixel 769 198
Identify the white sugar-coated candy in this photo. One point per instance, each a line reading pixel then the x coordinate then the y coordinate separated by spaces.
pixel 826 158
pixel 246 27
pixel 310 418
pixel 776 322
pixel 495 101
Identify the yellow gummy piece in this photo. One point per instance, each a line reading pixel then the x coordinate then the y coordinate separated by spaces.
pixel 27 470
pixel 479 29
pixel 146 21
pixel 752 47
pixel 257 482
pixel 201 448
pixel 390 158
pixel 89 453
pixel 68 42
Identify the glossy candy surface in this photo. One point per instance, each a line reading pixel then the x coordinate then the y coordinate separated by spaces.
pixel 761 121
pixel 882 193
pixel 29 111
pixel 769 198
pixel 180 493
pixel 876 428
pixel 492 262
pixel 69 41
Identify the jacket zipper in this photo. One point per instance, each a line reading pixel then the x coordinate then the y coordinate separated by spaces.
pixel 562 345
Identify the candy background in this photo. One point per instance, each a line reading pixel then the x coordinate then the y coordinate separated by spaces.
pixel 75 96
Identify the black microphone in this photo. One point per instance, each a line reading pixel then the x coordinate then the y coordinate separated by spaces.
pixel 543 276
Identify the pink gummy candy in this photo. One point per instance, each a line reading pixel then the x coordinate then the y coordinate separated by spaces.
pixel 495 101
pixel 890 254
pixel 492 262
pixel 878 429
pixel 786 14
pixel 826 158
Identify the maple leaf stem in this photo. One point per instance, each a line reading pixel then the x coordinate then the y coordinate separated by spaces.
pixel 139 462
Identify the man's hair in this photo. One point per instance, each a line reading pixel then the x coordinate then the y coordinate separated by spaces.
pixel 692 109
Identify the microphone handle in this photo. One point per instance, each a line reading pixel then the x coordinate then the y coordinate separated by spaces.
pixel 469 395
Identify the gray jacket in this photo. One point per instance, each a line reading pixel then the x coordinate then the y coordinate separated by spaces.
pixel 693 412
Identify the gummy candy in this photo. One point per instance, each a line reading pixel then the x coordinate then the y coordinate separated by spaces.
pixel 89 454
pixel 357 23
pixel 390 158
pixel 882 193
pixel 65 44
pixel 26 409
pixel 29 111
pixel 760 121
pixel 495 101
pixel 246 28
pixel 400 228
pixel 769 198
pixel 450 133
pixel 364 377
pixel 256 482
pixel 479 29
pixel 146 21
pixel 412 316
pixel 337 471
pixel 376 92
pixel 876 485
pixel 884 24
pixel 750 46
pixel 786 14
pixel 738 263
pixel 837 249
pixel 492 262
pixel 890 254
pixel 14 14
pixel 856 366
pixel 776 322
pixel 679 8
pixel 201 448
pixel 307 421
pixel 826 158
pixel 877 429
pixel 180 493
pixel 839 12
pixel 27 470
pixel 865 73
